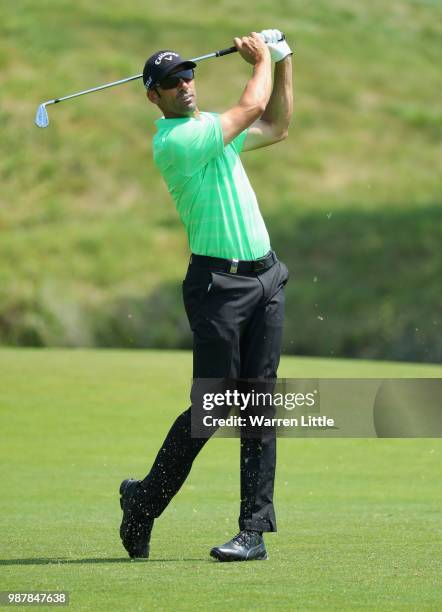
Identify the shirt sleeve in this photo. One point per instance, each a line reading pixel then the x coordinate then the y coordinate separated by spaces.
pixel 194 143
pixel 238 142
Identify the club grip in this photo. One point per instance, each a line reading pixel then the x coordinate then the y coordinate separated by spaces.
pixel 234 49
pixel 226 51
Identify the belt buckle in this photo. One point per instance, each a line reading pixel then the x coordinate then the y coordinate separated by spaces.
pixel 234 266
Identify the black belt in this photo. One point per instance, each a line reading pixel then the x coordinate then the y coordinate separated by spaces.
pixel 234 266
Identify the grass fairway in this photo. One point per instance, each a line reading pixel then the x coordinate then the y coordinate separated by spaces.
pixel 358 519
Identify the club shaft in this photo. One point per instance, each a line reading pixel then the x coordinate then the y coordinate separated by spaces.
pixel 86 91
pixel 219 53
pixel 137 76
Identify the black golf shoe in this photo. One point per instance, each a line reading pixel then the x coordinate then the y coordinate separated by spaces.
pixel 246 546
pixel 136 526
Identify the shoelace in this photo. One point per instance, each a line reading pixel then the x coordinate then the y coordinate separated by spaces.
pixel 243 538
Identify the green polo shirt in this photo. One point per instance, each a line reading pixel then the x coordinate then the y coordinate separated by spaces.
pixel 209 185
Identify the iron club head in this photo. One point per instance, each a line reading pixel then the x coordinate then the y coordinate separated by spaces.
pixel 41 117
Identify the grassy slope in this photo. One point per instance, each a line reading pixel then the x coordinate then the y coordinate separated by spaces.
pixel 82 206
pixel 358 519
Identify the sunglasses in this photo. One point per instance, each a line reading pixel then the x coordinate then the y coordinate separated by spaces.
pixel 174 80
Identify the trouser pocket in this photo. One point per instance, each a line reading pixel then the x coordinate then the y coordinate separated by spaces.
pixel 197 286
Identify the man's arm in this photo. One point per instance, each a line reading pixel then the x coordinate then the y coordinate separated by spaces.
pixel 256 95
pixel 273 125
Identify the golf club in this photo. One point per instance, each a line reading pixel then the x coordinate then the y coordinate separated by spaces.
pixel 42 117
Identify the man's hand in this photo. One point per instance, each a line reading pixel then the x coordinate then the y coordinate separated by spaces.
pixel 278 48
pixel 252 48
pixel 256 94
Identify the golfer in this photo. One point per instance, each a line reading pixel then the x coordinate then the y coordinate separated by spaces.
pixel 234 287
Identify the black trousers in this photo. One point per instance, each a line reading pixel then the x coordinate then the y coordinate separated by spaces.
pixel 237 322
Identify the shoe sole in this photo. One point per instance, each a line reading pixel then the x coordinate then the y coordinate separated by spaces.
pixel 226 558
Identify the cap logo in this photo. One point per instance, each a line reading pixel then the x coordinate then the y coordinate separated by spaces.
pixel 166 56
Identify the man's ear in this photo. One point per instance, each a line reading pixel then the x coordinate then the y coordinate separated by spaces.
pixel 153 96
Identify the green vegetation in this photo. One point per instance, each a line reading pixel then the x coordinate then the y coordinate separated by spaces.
pixel 89 234
pixel 357 518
